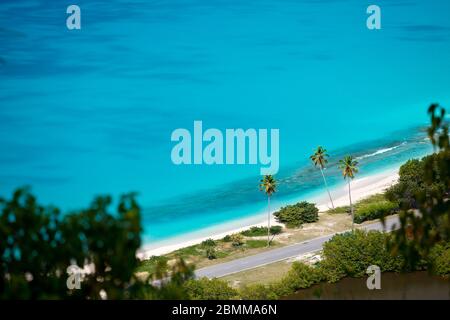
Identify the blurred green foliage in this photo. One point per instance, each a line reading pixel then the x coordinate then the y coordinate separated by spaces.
pixel 38 244
pixel 412 182
pixel 424 198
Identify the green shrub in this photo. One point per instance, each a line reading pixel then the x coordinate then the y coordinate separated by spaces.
pixel 237 239
pixel 208 243
pixel 206 289
pixel 274 230
pixel 350 253
pixel 412 181
pixel 227 238
pixel 301 276
pixel 261 231
pixel 258 292
pixel 370 208
pixel 439 259
pixel 374 210
pixel 211 253
pixel 295 215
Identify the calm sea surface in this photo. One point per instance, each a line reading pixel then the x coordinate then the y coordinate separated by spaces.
pixel 91 111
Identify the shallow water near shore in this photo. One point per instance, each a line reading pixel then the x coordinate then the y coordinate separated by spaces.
pixel 394 286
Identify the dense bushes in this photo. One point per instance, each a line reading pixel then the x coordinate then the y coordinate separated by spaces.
pixel 412 181
pixel 370 208
pixel 209 246
pixel 208 243
pixel 261 231
pixel 374 207
pixel 349 254
pixel 205 289
pixel 439 259
pixel 295 215
pixel 300 276
pixel 258 292
pixel 236 239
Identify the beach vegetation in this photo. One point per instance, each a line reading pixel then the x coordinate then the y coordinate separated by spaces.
pixel 252 244
pixel 262 231
pixel 186 252
pixel 208 243
pixel 211 253
pixel 227 238
pixel 374 207
pixel 339 210
pixel 209 246
pixel 237 239
pixel 293 216
pixel 412 182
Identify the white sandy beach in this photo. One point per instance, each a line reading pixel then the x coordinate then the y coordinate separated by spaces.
pixel 361 188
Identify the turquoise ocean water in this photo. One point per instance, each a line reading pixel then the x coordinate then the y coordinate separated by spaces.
pixel 90 111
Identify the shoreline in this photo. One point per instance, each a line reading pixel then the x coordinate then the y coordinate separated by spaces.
pixel 361 188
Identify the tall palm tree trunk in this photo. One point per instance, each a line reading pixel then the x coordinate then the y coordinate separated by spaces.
pixel 268 221
pixel 351 205
pixel 326 186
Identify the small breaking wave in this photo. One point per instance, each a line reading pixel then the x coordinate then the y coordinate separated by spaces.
pixel 380 151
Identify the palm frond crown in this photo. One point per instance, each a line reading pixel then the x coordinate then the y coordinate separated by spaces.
pixel 319 158
pixel 268 185
pixel 349 167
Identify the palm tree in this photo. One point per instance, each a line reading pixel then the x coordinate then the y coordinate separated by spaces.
pixel 349 168
pixel 269 186
pixel 319 158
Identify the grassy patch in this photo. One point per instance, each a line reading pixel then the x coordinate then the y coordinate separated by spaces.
pixel 252 244
pixel 189 251
pixel 339 210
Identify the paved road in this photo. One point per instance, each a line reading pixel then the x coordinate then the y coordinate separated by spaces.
pixel 250 262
